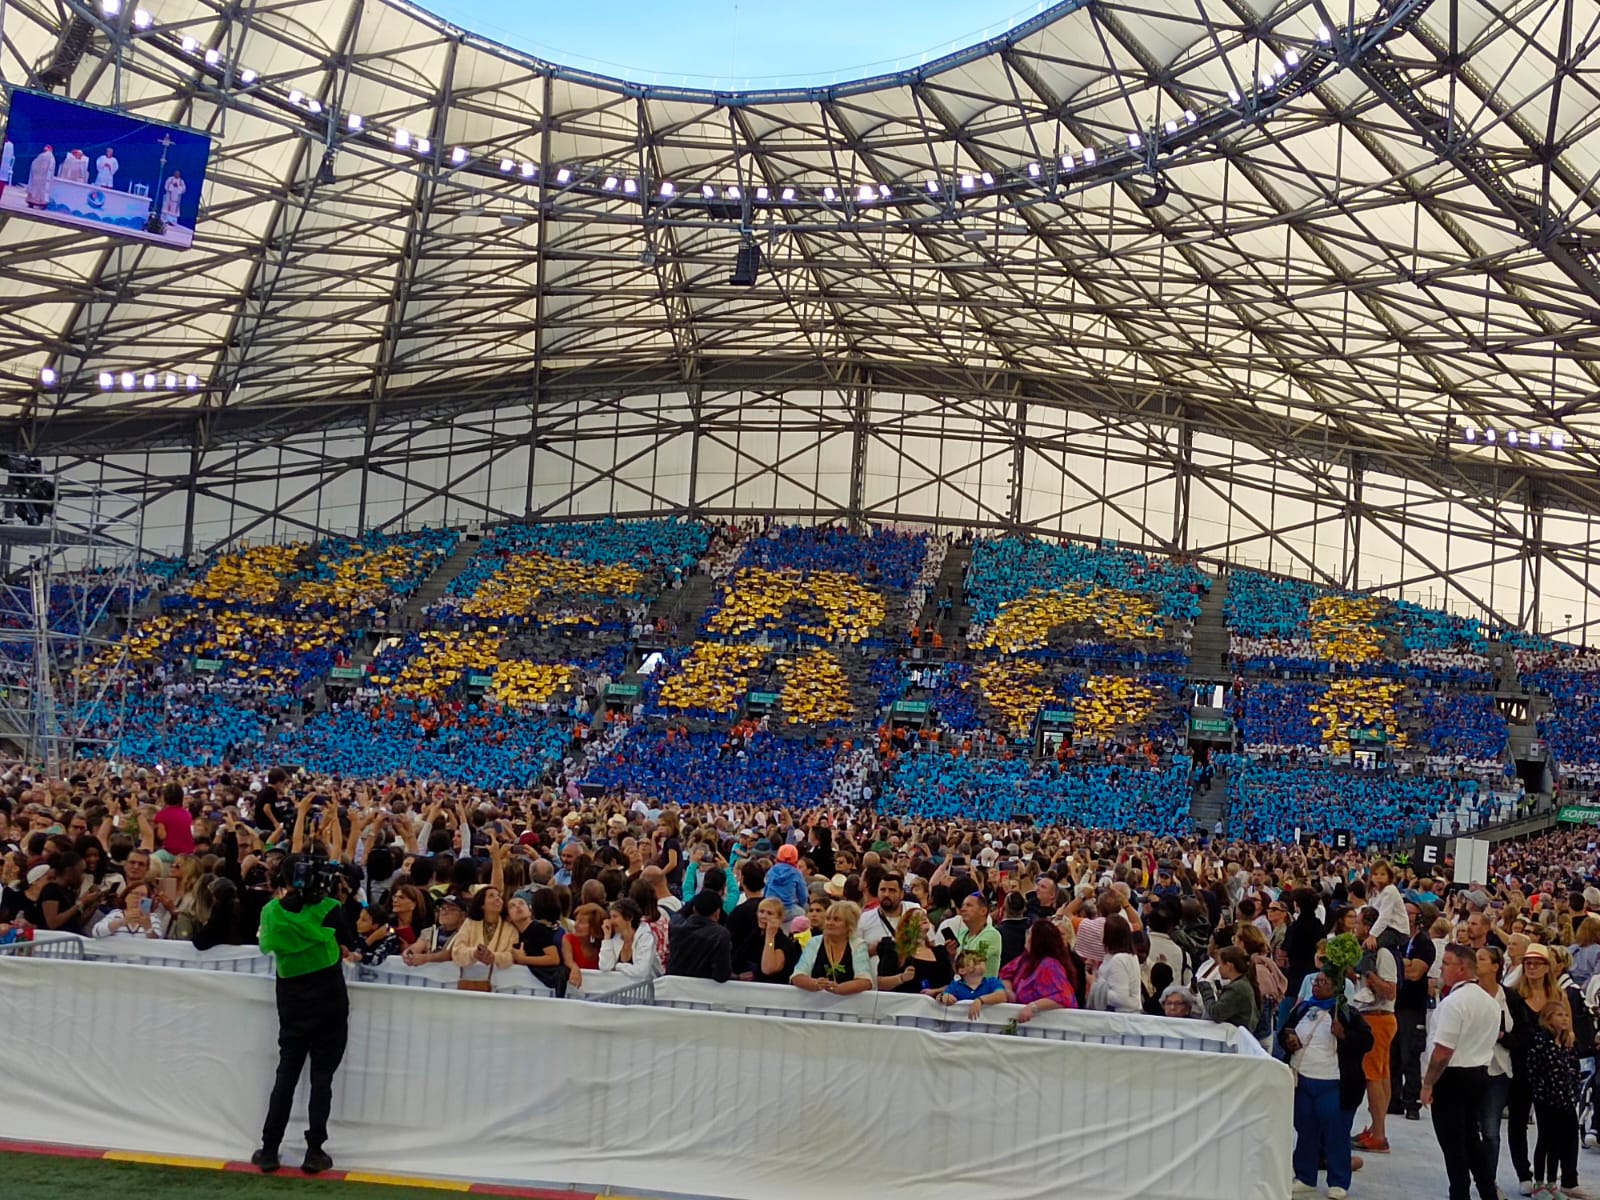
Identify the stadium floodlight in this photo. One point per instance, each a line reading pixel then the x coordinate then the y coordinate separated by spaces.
pixel 968 183
pixel 314 105
pixel 458 155
pixel 1190 116
pixel 1533 440
pixel 609 185
pixel 192 382
pixel 1066 162
pixel 731 193
pixel 1088 155
pixel 142 18
pixel 1171 127
pixel 630 186
pixel 1511 438
pixel 106 381
pixel 707 191
pixel 424 146
pixel 1233 96
pixel 1292 56
pixel 1324 34
pixel 988 179
pixel 402 139
pixel 128 380
pixel 787 194
pixel 213 57
pixel 295 96
pixel 1266 79
pixel 1134 141
pixel 1033 170
pixel 48 376
pixel 667 190
pixel 248 76
pixel 829 194
pixel 865 194
pixel 1558 440
pixel 149 381
pixel 111 7
pixel 354 122
pixel 506 164
pixel 171 381
pixel 933 186
pixel 1470 434
pixel 762 193
pixel 529 170
pixel 190 43
pixel 564 175
pixel 885 191
pixel 1488 436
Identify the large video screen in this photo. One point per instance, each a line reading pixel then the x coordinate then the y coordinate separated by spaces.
pixel 101 170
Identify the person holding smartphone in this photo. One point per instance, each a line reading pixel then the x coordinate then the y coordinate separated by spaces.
pixel 133 919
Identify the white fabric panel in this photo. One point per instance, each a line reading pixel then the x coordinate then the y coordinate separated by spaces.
pixel 641 1098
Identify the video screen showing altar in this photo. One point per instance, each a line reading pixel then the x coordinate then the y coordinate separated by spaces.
pixel 102 170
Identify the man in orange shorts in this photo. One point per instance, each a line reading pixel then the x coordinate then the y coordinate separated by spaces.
pixel 1377 979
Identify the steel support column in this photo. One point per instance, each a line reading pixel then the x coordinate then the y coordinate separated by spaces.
pixel 860 425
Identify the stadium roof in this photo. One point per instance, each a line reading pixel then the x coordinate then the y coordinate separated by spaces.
pixel 1353 239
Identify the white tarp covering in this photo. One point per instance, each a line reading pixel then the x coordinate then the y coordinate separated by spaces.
pixel 641 1098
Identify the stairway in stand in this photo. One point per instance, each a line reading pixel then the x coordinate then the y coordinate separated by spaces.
pixel 1208 653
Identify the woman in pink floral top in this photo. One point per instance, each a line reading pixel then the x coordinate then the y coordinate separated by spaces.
pixel 1040 978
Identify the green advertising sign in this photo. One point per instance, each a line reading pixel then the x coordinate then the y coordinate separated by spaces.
pixel 767 698
pixel 1058 716
pixel 622 691
pixel 1366 735
pixel 479 681
pixel 1579 814
pixel 345 673
pixel 208 664
pixel 1203 725
pixel 912 708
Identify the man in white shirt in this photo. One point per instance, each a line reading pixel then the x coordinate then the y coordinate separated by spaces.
pixel 1466 1026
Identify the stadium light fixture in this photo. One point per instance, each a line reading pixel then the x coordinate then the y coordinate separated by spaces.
pixel 506 164
pixel 787 194
pixel 190 43
pixel 731 193
pixel 149 381
pixel 609 185
pixel 1488 436
pixel 128 381
pixel 296 96
pixel 707 191
pixel 458 155
pixel 213 57
pixel 528 170
pixel 1324 34
pixel 563 175
pixel 111 7
pixel 1190 116
pixel 314 105
pixel 1533 440
pixel 667 190
pixel 1292 56
pixel 1233 96
pixel 48 376
pixel 1470 434
pixel 192 382
pixel 1088 156
pixel 1033 170
pixel 1511 437
pixel 865 194
pixel 988 179
pixel 402 139
pixel 885 191
pixel 424 146
pixel 248 76
pixel 1266 79
pixel 629 186
pixel 354 122
pixel 829 194
pixel 1558 440
pixel 1134 141
pixel 932 185
pixel 171 381
pixel 106 381
pixel 1066 162
pixel 968 183
pixel 142 19
pixel 762 193
pixel 1171 127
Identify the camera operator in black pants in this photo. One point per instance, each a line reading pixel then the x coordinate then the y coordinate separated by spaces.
pixel 300 928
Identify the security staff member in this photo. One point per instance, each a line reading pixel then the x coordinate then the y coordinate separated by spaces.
pixel 300 929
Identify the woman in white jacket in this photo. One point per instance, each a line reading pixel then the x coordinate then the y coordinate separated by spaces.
pixel 630 945
pixel 1116 986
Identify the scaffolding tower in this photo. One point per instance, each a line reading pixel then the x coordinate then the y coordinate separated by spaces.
pixel 70 583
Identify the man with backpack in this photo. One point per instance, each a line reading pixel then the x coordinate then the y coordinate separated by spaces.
pixel 1377 978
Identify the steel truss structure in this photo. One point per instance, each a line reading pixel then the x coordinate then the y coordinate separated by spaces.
pixel 1265 341
pixel 69 582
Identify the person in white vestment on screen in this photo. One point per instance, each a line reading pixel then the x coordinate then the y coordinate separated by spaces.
pixel 106 169
pixel 74 168
pixel 8 162
pixel 171 203
pixel 41 174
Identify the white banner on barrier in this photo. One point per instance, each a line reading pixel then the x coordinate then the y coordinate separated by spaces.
pixel 640 1098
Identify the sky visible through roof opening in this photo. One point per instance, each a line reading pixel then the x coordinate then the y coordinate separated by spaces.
pixel 737 44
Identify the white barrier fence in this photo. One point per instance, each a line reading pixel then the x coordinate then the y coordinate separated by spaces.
pixel 541 1091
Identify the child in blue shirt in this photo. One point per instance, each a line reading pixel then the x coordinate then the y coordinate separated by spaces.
pixel 973 983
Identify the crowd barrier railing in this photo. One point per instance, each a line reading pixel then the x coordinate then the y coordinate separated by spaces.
pixel 639 1097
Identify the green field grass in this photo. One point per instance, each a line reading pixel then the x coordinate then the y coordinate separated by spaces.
pixel 42 1177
